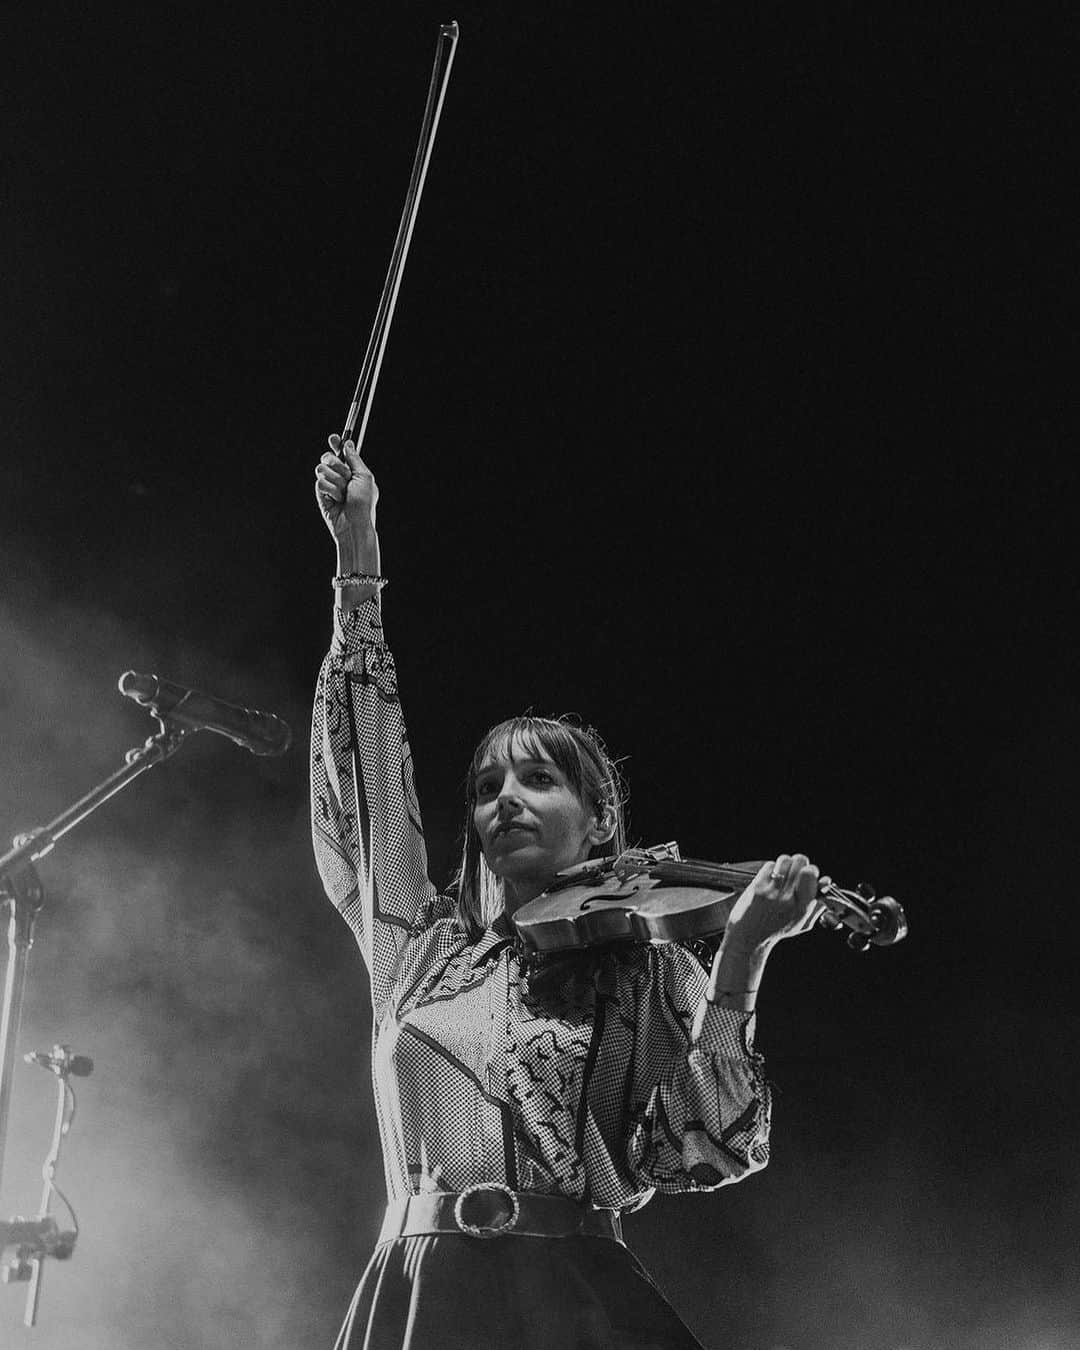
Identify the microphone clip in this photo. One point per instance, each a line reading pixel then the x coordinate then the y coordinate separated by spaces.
pixel 62 1061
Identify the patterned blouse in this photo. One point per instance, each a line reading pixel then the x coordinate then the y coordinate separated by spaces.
pixel 616 1084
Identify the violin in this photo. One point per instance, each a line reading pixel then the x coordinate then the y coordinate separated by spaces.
pixel 655 895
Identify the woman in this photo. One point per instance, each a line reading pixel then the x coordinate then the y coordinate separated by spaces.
pixel 529 1115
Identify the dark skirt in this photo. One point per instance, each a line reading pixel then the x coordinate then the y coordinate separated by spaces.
pixel 447 1291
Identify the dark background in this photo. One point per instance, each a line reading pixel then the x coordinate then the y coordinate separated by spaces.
pixel 720 409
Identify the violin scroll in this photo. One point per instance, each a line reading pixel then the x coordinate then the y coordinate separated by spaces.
pixel 870 921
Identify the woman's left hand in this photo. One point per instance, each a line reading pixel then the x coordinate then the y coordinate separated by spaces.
pixel 780 902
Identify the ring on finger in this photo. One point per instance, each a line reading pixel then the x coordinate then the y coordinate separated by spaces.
pixel 778 874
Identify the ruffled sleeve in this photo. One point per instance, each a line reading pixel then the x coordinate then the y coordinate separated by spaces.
pixel 703 1104
pixel 366 827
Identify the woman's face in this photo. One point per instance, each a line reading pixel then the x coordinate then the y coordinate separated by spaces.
pixel 530 822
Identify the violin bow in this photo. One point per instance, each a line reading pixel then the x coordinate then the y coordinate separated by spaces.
pixel 360 409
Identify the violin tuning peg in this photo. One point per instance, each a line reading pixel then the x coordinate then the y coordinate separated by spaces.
pixel 858 942
pixel 865 890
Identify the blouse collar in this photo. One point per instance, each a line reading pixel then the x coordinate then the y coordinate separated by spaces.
pixel 492 941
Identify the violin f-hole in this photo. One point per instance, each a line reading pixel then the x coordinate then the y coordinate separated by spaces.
pixel 607 901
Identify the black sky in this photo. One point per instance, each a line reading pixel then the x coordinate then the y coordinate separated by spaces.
pixel 721 409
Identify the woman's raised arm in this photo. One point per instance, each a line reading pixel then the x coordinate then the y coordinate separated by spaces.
pixel 366 826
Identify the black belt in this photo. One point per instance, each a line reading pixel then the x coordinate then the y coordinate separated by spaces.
pixel 490 1209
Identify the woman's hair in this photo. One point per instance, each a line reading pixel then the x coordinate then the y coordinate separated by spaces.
pixel 590 771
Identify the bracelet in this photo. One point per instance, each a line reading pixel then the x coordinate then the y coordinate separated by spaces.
pixel 357 579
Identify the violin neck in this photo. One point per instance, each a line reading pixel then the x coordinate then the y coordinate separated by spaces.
pixel 701 872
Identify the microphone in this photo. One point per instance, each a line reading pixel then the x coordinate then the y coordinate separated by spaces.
pixel 61 1061
pixel 261 733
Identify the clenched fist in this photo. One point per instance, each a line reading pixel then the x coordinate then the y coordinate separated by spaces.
pixel 346 492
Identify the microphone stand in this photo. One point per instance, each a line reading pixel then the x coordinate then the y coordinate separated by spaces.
pixel 46 1239
pixel 21 891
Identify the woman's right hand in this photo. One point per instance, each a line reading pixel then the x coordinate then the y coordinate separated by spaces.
pixel 346 492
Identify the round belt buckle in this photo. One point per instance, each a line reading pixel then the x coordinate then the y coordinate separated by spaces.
pixel 475 1230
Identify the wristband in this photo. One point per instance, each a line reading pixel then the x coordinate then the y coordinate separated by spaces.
pixel 357 579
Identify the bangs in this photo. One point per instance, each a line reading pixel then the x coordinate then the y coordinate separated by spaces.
pixel 537 738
